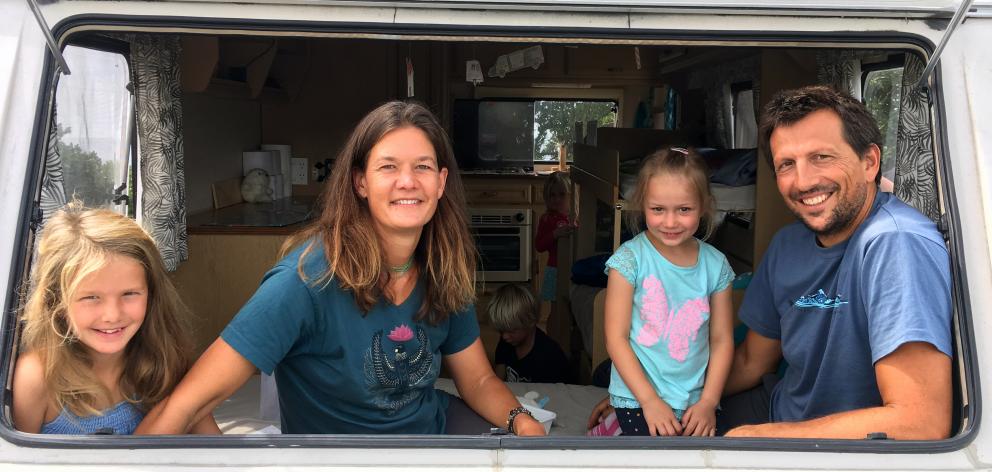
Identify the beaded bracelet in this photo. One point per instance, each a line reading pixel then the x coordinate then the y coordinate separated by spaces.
pixel 513 416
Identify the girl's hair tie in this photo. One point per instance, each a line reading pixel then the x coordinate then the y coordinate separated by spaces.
pixel 684 151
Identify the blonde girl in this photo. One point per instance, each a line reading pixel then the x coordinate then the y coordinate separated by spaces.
pixel 103 337
pixel 669 324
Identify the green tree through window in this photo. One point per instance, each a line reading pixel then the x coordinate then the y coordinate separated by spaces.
pixel 554 123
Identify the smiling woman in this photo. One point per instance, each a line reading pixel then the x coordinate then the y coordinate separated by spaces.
pixel 356 318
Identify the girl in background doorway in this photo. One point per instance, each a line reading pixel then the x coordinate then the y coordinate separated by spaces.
pixel 553 225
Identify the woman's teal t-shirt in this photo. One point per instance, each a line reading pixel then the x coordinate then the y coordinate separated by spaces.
pixel 339 372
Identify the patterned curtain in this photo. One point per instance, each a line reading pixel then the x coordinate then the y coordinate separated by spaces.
pixel 840 69
pixel 915 176
pixel 52 183
pixel 158 102
pixel 915 173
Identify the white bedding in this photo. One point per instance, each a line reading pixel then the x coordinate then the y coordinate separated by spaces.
pixel 572 403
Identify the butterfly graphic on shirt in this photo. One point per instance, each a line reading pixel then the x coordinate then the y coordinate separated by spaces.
pixel 678 327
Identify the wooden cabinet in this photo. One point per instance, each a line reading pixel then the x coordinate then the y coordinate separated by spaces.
pixel 607 61
pixel 222 273
pixel 498 192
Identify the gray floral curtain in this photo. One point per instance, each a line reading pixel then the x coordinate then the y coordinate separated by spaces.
pixel 840 69
pixel 52 183
pixel 158 102
pixel 915 175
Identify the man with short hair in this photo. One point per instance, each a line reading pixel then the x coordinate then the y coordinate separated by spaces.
pixel 855 296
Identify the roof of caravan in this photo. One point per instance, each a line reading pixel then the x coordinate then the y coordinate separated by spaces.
pixel 929 8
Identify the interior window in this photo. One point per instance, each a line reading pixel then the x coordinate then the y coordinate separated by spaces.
pixel 93 129
pixel 560 123
pixel 745 125
pixel 520 132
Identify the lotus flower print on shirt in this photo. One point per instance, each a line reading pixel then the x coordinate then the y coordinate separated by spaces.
pixel 400 334
pixel 677 327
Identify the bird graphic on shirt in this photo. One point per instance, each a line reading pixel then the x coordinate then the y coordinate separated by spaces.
pixel 397 376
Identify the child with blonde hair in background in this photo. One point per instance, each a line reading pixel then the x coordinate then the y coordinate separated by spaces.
pixel 553 225
pixel 524 353
pixel 104 339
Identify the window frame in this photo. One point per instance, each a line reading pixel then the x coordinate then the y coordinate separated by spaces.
pixel 951 223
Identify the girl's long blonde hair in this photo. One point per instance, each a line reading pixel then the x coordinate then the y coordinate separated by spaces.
pixel 686 163
pixel 77 242
pixel 356 261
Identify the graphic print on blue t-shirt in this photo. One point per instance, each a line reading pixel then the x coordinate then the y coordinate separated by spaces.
pixel 819 300
pixel 397 376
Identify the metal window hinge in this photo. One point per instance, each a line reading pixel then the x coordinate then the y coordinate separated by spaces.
pixel 37 218
pixel 120 196
pixel 956 20
pixel 943 225
pixel 52 45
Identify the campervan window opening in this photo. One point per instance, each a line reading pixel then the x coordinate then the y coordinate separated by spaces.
pixel 95 135
pixel 950 223
pixel 880 93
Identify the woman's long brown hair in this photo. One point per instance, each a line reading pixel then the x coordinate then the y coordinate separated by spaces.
pixel 445 254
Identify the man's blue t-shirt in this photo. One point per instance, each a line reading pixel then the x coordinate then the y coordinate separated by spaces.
pixel 838 310
pixel 338 371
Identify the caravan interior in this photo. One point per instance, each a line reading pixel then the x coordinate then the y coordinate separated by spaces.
pixel 516 109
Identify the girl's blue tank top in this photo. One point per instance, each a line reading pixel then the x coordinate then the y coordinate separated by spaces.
pixel 122 418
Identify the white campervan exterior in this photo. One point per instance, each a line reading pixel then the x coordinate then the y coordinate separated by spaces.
pixel 957 103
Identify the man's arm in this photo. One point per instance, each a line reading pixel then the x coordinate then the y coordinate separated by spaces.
pixel 753 358
pixel 915 384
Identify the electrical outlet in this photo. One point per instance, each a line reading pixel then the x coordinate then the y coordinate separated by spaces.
pixel 298 171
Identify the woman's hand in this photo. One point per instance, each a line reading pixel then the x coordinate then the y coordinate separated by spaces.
pixel 599 413
pixel 660 418
pixel 700 419
pixel 526 425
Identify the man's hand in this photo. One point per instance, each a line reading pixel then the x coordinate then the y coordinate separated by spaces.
pixel 745 431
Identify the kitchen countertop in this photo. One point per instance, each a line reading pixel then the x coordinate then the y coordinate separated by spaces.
pixel 282 216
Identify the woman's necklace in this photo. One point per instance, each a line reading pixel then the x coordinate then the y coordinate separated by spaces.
pixel 402 269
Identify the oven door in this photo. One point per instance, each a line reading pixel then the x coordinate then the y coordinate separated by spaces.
pixel 504 253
